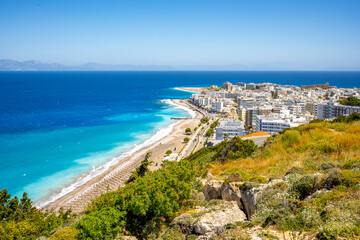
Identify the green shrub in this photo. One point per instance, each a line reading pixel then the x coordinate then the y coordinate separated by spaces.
pixel 303 187
pixel 186 140
pixel 249 185
pixel 333 179
pixel 258 179
pixel 191 237
pixel 172 234
pixel 103 224
pixel 204 120
pixel 237 174
pixel 295 170
pixel 351 164
pixel 325 166
pixel 66 233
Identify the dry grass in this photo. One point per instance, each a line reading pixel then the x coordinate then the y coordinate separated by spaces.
pixel 306 146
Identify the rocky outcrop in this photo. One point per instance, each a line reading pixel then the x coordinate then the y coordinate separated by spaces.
pixel 184 222
pixel 215 221
pixel 231 192
pixel 249 197
pixel 212 190
pixel 250 193
pixel 208 221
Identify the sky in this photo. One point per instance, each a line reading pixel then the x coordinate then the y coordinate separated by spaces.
pixel 285 34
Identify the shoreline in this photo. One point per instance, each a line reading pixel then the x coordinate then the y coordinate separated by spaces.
pixel 191 89
pixel 113 177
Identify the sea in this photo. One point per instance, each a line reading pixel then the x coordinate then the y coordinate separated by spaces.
pixel 60 129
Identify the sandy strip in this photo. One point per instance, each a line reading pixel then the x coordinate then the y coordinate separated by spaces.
pixel 192 89
pixel 114 177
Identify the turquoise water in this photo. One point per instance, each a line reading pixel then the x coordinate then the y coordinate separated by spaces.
pixel 61 152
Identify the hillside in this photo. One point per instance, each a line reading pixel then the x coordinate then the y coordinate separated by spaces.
pixel 303 184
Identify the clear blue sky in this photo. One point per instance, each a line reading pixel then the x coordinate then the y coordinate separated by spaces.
pixel 293 34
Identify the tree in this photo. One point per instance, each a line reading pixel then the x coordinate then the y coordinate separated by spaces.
pixel 226 135
pixel 350 101
pixel 214 124
pixel 168 152
pixel 141 170
pixel 103 224
pixel 210 132
pixel 274 95
pixel 204 120
pixel 186 140
pixel 187 130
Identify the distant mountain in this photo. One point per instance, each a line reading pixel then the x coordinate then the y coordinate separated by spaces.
pixel 33 65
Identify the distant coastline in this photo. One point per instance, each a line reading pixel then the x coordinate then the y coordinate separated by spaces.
pixel 34 65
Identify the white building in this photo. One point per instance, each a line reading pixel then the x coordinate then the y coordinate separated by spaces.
pixel 331 110
pixel 276 123
pixel 219 106
pixel 231 127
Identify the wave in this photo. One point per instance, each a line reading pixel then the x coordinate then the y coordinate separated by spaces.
pixel 101 169
pixel 188 110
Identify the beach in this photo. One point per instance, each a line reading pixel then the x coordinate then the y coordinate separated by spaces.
pixel 116 175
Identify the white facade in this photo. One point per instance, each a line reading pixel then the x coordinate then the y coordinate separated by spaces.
pixel 219 106
pixel 231 127
pixel 275 124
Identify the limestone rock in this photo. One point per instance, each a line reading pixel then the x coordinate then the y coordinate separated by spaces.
pixel 212 190
pixel 215 221
pixel 249 197
pixel 184 222
pixel 231 192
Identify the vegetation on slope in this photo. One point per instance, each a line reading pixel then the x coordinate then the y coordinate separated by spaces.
pixel 320 162
pixel 319 193
pixel 20 220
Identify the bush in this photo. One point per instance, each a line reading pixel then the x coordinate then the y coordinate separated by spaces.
pixel 234 149
pixel 66 233
pixel 237 174
pixel 172 234
pixel 303 187
pixel 103 224
pixel 258 179
pixel 351 164
pixel 186 140
pixel 333 179
pixel 326 166
pixel 210 132
pixel 204 120
pixel 168 152
pixel 296 170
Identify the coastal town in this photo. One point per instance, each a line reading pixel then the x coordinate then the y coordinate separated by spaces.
pixel 246 108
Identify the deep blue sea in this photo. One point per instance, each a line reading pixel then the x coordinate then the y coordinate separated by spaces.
pixel 58 126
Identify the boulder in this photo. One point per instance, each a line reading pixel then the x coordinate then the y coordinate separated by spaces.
pixel 249 196
pixel 214 222
pixel 250 192
pixel 231 192
pixel 183 222
pixel 212 190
